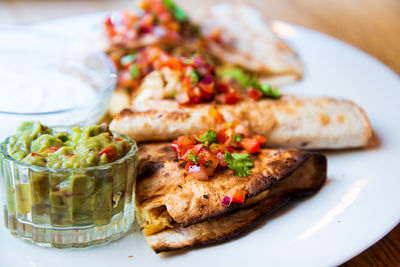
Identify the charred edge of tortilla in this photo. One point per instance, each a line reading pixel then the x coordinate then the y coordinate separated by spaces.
pixel 284 173
pixel 226 236
pixel 163 154
pixel 299 160
pixel 280 201
pixel 167 115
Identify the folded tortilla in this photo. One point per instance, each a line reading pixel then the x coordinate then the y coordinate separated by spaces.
pixel 246 40
pixel 291 121
pixel 176 211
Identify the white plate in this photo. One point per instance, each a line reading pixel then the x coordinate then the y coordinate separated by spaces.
pixel 358 205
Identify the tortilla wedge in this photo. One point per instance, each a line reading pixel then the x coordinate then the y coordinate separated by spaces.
pixel 291 121
pixel 176 211
pixel 246 40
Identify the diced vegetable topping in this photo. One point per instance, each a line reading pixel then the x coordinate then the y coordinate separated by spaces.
pixel 110 152
pixel 226 201
pixel 253 87
pixel 239 196
pixel 241 163
pixel 199 82
pixel 39 145
pixel 210 137
pixel 160 18
pixel 179 14
pixel 52 149
pixel 209 149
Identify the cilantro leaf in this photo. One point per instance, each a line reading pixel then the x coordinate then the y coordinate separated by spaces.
pixel 134 71
pixel 193 158
pixel 237 74
pixel 246 80
pixel 237 137
pixel 240 162
pixel 195 77
pixel 267 90
pixel 178 13
pixel 210 137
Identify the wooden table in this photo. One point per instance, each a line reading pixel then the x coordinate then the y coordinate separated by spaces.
pixel 371 25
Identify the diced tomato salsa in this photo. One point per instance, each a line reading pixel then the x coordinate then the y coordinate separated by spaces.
pixel 206 151
pixel 166 23
pixel 153 17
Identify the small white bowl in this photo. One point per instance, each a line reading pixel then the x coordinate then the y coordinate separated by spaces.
pixel 33 63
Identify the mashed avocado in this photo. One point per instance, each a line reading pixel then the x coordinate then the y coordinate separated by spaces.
pixel 70 194
pixel 42 146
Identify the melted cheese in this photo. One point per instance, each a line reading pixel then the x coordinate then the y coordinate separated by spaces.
pixel 154 220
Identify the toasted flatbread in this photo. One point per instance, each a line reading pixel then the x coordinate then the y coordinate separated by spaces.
pixel 246 40
pixel 176 211
pixel 291 121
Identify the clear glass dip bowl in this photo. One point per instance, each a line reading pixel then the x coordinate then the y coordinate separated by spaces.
pixel 37 72
pixel 66 208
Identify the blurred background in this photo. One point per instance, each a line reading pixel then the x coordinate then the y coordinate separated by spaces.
pixel 370 25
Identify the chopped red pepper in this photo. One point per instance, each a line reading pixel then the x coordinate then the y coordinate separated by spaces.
pixel 232 98
pixel 52 149
pixel 33 154
pixel 223 88
pixel 109 26
pixel 253 144
pixel 110 152
pixel 254 93
pixel 239 196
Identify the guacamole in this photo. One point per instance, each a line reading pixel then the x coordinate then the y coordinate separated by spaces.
pixel 69 194
pixel 42 146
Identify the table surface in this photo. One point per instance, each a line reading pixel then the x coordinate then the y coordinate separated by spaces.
pixel 370 25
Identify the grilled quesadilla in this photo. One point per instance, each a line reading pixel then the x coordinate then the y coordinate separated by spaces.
pixel 308 123
pixel 239 35
pixel 162 25
pixel 176 210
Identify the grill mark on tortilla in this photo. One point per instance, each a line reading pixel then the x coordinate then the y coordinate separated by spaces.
pixel 172 115
pixel 267 171
pixel 240 221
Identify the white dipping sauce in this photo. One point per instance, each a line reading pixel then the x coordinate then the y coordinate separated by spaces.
pixel 41 90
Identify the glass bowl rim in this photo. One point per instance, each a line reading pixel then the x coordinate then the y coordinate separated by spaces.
pixel 133 151
pixel 108 87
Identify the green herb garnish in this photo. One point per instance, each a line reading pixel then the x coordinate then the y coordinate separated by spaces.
pixel 193 158
pixel 237 74
pixel 237 137
pixel 134 71
pixel 210 137
pixel 267 90
pixel 240 162
pixel 195 77
pixel 178 13
pixel 208 163
pixel 246 80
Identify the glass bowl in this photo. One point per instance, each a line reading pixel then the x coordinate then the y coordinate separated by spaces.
pixel 51 78
pixel 66 208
